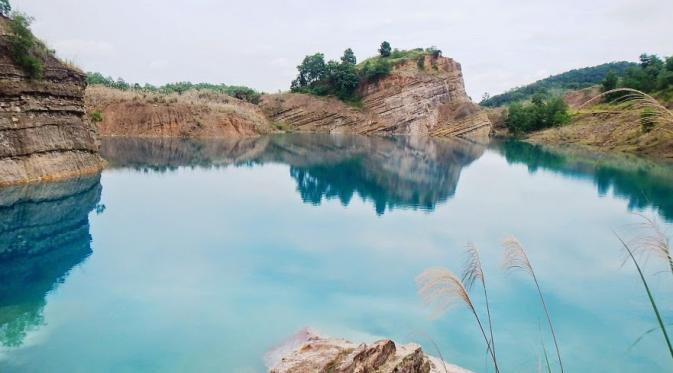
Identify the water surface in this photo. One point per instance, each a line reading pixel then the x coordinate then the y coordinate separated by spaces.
pixel 188 256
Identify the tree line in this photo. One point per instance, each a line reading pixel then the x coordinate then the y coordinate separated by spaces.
pixel 241 92
pixel 652 75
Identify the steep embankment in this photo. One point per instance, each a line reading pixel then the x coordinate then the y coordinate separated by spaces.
pixel 414 99
pixel 43 131
pixel 197 114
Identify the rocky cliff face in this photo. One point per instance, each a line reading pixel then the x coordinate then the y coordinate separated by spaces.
pixel 192 114
pixel 44 134
pixel 411 100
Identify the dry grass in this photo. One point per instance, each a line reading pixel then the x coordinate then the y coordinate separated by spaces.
pixel 652 241
pixel 515 258
pixel 441 289
pixel 634 99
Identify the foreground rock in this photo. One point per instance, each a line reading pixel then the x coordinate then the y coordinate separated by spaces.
pixel 306 352
pixel 411 100
pixel 44 134
pixel 192 114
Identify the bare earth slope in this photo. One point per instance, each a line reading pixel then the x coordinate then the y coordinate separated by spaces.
pixel 191 114
pixel 411 101
pixel 44 134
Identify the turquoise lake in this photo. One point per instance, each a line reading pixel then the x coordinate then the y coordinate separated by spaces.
pixel 201 256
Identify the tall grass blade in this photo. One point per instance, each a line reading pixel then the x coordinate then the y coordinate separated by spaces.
pixel 649 294
pixel 441 289
pixel 517 259
pixel 472 272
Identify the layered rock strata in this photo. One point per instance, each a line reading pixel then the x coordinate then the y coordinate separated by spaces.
pixel 44 134
pixel 192 114
pixel 411 100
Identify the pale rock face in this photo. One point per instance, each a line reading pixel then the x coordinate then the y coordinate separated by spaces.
pixel 412 100
pixel 307 352
pixel 44 134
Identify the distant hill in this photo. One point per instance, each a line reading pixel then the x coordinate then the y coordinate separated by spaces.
pixel 570 80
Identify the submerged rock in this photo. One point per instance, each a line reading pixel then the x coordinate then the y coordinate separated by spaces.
pixel 307 352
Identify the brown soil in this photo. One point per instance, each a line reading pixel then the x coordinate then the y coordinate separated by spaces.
pixel 191 114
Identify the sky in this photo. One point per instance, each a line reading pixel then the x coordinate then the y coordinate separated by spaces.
pixel 259 43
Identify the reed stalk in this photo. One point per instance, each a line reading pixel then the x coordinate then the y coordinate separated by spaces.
pixel 662 326
pixel 517 259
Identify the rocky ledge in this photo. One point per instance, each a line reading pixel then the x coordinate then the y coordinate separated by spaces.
pixel 307 352
pixel 411 100
pixel 44 134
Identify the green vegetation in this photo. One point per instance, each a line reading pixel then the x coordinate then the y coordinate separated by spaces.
pixel 556 84
pixel 5 8
pixel 385 49
pixel 653 75
pixel 96 116
pixel 239 92
pixel 342 78
pixel 541 113
pixel 26 51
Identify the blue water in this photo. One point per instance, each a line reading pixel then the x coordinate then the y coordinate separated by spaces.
pixel 200 256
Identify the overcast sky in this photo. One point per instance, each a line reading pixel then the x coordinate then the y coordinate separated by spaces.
pixel 500 44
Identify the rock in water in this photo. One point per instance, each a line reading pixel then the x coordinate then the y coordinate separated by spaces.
pixel 307 352
pixel 44 134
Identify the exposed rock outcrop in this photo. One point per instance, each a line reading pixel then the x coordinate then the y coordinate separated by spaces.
pixel 411 100
pixel 306 352
pixel 44 134
pixel 192 114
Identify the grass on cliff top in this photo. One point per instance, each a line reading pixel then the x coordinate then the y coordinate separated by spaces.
pixel 398 56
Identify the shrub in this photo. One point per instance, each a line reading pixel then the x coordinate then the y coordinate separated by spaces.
pixel 540 114
pixel 96 116
pixel 375 69
pixel 23 46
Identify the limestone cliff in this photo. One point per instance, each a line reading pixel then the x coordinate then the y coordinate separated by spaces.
pixel 44 134
pixel 192 114
pixel 411 100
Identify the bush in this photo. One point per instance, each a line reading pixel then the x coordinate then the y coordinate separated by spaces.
pixel 375 69
pixel 24 47
pixel 385 49
pixel 540 114
pixel 96 116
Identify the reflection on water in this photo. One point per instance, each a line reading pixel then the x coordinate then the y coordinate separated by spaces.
pixel 642 182
pixel 44 233
pixel 389 172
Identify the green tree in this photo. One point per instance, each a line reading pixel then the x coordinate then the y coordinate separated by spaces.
pixel 541 113
pixel 311 71
pixel 385 49
pixel 5 8
pixel 610 82
pixel 349 57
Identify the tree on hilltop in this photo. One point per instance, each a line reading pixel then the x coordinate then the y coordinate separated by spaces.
pixel 5 8
pixel 385 49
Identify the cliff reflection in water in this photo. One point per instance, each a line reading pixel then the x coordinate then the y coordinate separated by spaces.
pixel 390 172
pixel 642 182
pixel 44 233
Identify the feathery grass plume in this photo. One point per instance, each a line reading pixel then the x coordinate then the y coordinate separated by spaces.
pixel 441 289
pixel 472 272
pixel 662 326
pixel 516 259
pixel 637 100
pixel 653 241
